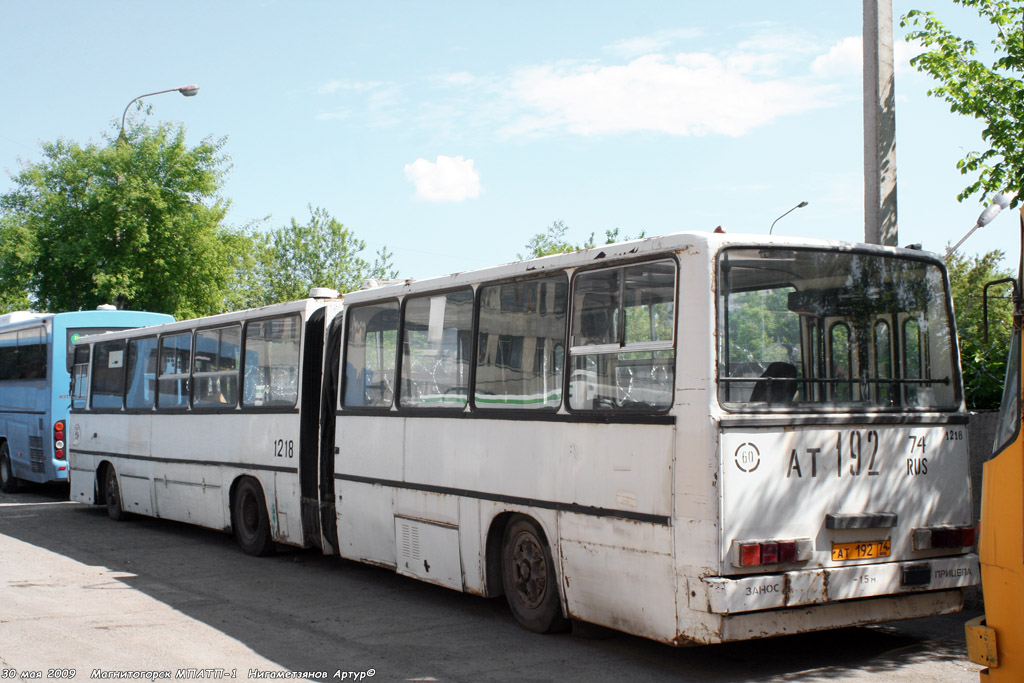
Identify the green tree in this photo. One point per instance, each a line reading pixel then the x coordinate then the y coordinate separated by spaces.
pixel 320 253
pixel 993 94
pixel 136 223
pixel 984 364
pixel 249 257
pixel 15 266
pixel 553 241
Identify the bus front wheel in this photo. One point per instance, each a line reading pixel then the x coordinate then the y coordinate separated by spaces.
pixel 528 577
pixel 8 482
pixel 250 520
pixel 115 510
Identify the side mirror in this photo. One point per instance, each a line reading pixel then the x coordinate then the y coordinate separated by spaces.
pixel 984 298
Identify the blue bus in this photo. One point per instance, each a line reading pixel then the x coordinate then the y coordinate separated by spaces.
pixel 35 367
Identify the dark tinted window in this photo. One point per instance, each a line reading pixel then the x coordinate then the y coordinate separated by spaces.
pixel 108 374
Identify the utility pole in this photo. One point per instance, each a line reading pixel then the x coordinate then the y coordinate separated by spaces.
pixel 879 125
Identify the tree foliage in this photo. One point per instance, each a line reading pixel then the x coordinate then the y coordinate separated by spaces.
pixel 290 260
pixel 993 94
pixel 136 223
pixel 553 241
pixel 984 364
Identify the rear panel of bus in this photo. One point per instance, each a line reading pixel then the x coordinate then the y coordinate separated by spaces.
pixel 842 452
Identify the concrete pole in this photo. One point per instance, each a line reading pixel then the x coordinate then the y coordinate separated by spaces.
pixel 879 125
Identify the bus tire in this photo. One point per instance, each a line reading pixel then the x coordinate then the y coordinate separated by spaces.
pixel 249 518
pixel 8 482
pixel 112 494
pixel 529 579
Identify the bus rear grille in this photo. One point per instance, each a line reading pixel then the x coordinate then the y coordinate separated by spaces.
pixel 35 453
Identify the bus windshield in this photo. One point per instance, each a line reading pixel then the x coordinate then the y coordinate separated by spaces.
pixel 806 330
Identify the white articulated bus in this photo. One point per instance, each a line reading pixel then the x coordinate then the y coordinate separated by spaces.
pixel 695 438
pixel 204 421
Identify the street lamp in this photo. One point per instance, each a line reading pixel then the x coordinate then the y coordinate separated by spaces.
pixel 1000 201
pixel 186 90
pixel 798 206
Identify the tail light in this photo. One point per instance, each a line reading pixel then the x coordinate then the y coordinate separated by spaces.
pixel 58 440
pixel 944 537
pixel 764 553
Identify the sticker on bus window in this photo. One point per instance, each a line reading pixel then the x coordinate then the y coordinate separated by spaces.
pixel 115 359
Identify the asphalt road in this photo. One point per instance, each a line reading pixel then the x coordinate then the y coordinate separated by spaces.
pixel 86 597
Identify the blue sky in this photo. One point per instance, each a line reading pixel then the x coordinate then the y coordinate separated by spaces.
pixel 452 132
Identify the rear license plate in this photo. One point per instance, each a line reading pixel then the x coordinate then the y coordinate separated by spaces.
pixel 861 551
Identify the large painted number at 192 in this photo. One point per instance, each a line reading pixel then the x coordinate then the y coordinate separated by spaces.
pixel 861 453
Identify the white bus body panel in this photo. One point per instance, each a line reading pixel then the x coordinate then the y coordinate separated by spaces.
pixel 442 481
pixel 780 483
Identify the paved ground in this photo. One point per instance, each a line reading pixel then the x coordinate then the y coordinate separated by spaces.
pixel 81 593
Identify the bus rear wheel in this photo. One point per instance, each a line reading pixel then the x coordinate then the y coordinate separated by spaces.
pixel 528 577
pixel 249 519
pixel 8 482
pixel 115 510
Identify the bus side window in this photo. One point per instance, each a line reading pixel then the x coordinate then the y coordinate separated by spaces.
pixel 108 375
pixel 271 351
pixel 623 353
pixel 371 341
pixel 215 369
pixel 141 392
pixel 32 354
pixel 80 377
pixel 23 354
pixel 436 350
pixel 520 344
pixel 9 355
pixel 173 378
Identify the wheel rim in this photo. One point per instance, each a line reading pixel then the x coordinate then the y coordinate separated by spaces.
pixel 529 570
pixel 5 473
pixel 113 494
pixel 250 514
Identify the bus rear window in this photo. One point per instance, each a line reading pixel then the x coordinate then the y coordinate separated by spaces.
pixel 823 331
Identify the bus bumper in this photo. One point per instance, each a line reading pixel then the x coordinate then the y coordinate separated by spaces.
pixel 981 643
pixel 721 595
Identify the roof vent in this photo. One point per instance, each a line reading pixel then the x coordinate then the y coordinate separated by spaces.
pixel 106 307
pixel 323 293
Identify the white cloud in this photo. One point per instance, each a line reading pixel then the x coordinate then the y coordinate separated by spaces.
pixel 692 94
pixel 846 57
pixel 458 78
pixel 382 102
pixel 904 51
pixel 647 86
pixel 645 45
pixel 449 179
pixel 842 59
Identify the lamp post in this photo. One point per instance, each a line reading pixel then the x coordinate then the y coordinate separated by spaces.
pixel 1000 201
pixel 186 90
pixel 798 206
